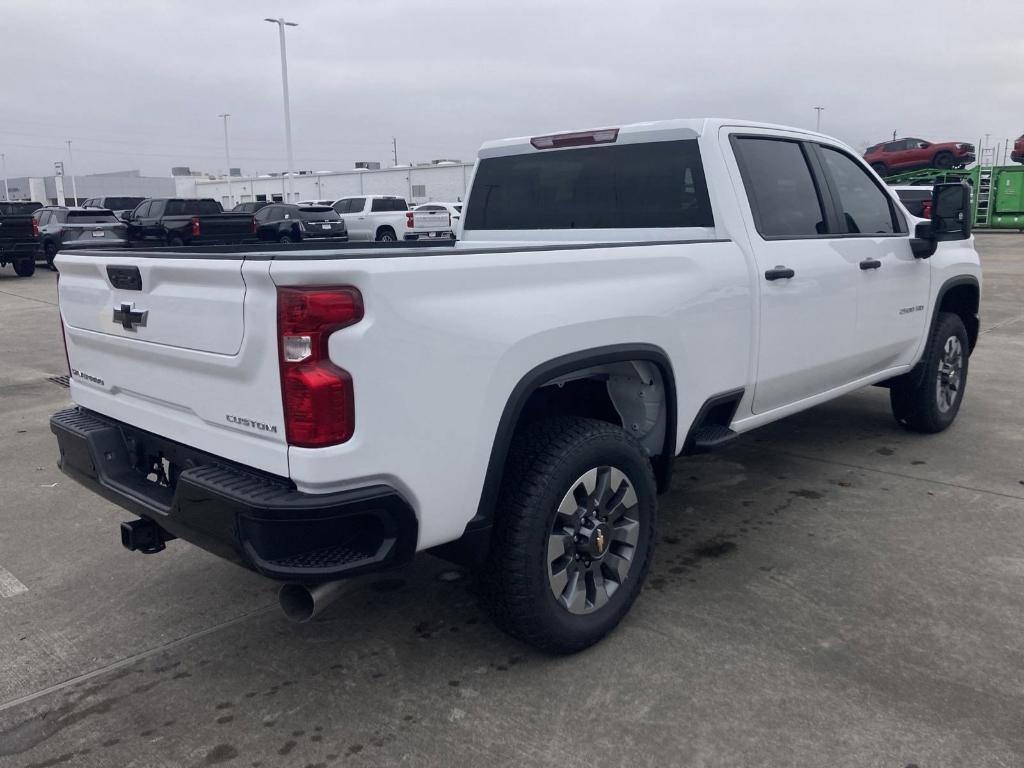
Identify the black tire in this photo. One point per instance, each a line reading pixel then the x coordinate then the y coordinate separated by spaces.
pixel 943 160
pixel 175 241
pixel 881 169
pixel 917 398
pixel 25 267
pixel 386 235
pixel 547 462
pixel 50 251
pixel 285 239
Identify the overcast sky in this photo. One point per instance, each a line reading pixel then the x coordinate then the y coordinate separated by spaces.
pixel 140 84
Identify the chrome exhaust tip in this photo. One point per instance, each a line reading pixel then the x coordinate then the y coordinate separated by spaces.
pixel 302 603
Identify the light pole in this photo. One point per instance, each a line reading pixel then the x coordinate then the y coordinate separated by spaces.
pixel 281 24
pixel 71 168
pixel 227 155
pixel 3 160
pixel 817 124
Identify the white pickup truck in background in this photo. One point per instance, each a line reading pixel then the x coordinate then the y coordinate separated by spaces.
pixel 387 219
pixel 516 400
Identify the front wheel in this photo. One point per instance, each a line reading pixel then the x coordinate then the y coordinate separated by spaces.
pixel 573 534
pixel 928 400
pixel 944 160
pixel 284 239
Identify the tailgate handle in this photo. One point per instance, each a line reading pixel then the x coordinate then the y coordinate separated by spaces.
pixel 125 278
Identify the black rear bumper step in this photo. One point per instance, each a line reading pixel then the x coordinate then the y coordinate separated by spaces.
pixel 252 518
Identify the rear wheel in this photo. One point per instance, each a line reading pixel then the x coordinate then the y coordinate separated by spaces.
pixel 880 168
pixel 386 235
pixel 574 533
pixel 928 400
pixel 284 239
pixel 175 241
pixel 944 160
pixel 25 267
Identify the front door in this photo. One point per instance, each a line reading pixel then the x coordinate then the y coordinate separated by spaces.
pixel 807 283
pixel 893 286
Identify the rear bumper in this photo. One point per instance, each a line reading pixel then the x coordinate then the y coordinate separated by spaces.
pixel 18 250
pixel 439 234
pixel 254 519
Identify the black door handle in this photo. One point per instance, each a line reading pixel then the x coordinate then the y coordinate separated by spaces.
pixel 870 264
pixel 779 273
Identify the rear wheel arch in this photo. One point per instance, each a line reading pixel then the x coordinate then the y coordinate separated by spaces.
pixel 562 369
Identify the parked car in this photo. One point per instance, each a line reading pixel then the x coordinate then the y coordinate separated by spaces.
pixel 18 243
pixel 285 223
pixel 453 209
pixel 177 221
pixel 60 228
pixel 14 207
pixel 250 207
pixel 1017 153
pixel 916 199
pixel 119 205
pixel 907 154
pixel 516 400
pixel 387 218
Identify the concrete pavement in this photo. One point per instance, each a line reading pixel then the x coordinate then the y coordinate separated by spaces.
pixel 831 591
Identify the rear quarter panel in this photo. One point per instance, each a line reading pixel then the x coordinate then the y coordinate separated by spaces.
pixel 446 338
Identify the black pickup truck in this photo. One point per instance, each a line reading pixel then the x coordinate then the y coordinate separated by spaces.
pixel 178 221
pixel 18 236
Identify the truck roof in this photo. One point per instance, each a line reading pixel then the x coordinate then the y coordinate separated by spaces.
pixel 634 133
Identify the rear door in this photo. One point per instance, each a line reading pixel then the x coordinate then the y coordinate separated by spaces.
pixel 353 211
pixel 807 282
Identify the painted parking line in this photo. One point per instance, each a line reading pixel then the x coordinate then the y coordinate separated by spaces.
pixel 9 584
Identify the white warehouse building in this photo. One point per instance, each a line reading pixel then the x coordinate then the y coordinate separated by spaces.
pixel 445 182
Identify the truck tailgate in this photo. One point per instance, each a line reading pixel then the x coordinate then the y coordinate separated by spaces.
pixel 182 347
pixel 431 220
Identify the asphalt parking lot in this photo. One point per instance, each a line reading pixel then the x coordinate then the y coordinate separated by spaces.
pixel 830 591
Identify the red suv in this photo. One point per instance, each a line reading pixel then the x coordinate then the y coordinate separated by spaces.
pixel 1017 155
pixel 908 154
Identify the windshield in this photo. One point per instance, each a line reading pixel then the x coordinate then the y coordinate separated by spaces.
pixel 16 207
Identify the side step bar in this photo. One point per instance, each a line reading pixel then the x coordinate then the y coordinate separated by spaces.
pixel 710 430
pixel 711 437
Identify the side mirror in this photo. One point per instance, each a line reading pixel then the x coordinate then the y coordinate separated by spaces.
pixel 950 219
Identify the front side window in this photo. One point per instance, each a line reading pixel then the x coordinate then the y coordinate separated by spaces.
pixel 624 186
pixel 864 207
pixel 782 194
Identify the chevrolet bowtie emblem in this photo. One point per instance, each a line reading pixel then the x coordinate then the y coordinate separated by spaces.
pixel 130 318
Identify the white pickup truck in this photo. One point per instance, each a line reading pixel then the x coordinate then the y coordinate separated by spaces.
pixel 516 400
pixel 387 219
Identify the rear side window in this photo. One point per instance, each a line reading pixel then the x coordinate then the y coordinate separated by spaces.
pixel 780 189
pixel 91 217
pixel 626 186
pixel 914 199
pixel 865 208
pixel 388 204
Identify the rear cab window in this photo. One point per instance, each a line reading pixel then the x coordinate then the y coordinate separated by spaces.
pixel 380 204
pixel 655 184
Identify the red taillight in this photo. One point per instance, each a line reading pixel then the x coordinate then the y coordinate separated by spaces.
pixel 319 404
pixel 35 227
pixel 410 220
pixel 253 225
pixel 195 226
pixel 580 139
pixel 926 209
